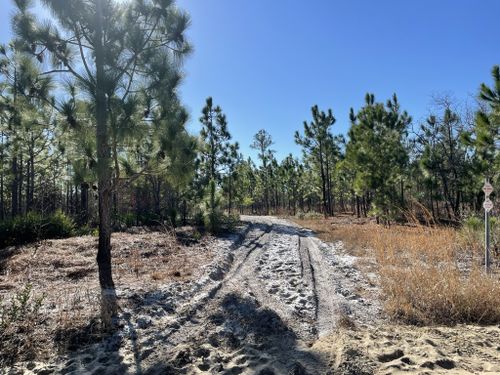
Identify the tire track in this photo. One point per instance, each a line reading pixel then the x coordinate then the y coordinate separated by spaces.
pixel 203 298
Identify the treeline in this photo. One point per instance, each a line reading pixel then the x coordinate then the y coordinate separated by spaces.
pixel 389 166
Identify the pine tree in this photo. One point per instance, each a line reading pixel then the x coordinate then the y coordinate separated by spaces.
pixel 317 142
pixel 262 141
pixel 376 152
pixel 215 152
pixel 106 47
pixel 485 136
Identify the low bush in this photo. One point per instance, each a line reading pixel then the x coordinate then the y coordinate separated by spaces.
pixel 198 218
pixel 311 215
pixel 18 319
pixel 58 225
pixel 213 220
pixel 231 221
pixel 34 227
pixel 126 220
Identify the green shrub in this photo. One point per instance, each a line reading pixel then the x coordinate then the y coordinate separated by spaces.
pixel 172 216
pixel 18 320
pixel 128 219
pixel 213 220
pixel 311 215
pixel 231 221
pixel 59 226
pixel 314 215
pixel 33 227
pixel 198 218
pixel 473 223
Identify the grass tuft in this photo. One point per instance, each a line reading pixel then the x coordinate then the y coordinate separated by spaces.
pixel 426 275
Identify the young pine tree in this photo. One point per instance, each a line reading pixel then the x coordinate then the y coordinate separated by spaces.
pixel 105 47
pixel 215 154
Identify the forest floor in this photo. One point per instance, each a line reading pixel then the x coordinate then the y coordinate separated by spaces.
pixel 271 299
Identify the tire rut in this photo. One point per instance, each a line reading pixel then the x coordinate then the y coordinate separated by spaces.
pixel 203 297
pixel 280 293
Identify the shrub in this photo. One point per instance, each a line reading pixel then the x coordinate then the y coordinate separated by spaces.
pixel 33 227
pixel 213 220
pixel 311 215
pixel 231 221
pixel 18 320
pixel 172 217
pixel 126 220
pixel 198 218
pixel 58 225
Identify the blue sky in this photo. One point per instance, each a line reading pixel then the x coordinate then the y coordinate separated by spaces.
pixel 266 62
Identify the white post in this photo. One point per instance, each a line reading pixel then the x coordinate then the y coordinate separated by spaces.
pixel 487 205
pixel 486 241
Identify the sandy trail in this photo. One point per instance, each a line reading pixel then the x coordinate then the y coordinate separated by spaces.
pixel 280 293
pixel 268 295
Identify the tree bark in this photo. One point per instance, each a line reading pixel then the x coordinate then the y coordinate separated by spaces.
pixel 14 188
pixel 108 293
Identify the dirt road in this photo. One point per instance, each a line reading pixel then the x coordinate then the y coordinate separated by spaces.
pixel 278 291
pixel 274 299
pixel 270 292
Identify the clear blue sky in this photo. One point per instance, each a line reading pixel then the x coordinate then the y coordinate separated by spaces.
pixel 266 62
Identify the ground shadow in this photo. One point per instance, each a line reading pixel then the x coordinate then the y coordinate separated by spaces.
pixel 241 336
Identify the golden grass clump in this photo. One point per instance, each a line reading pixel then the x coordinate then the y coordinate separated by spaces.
pixel 426 275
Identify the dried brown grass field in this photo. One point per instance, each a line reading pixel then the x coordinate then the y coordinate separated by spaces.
pixel 427 275
pixel 64 273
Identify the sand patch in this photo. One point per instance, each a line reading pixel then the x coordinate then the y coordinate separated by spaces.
pixel 394 349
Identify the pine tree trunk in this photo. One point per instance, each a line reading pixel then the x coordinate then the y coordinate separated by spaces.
pixel 323 182
pixel 28 185
pixel 230 195
pixel 84 202
pixel 358 213
pixel 31 177
pixel 329 187
pixel 20 181
pixel 14 188
pixel 108 294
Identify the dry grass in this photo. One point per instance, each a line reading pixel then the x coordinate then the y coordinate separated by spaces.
pixel 356 234
pixel 427 275
pixel 65 270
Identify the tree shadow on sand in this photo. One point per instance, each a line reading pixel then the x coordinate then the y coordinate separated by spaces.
pixel 241 336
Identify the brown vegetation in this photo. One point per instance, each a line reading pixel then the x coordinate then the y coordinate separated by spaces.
pixel 427 275
pixel 64 273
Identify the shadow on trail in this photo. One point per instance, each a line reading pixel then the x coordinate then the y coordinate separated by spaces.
pixel 242 336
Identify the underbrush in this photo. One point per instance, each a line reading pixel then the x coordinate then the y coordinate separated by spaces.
pixel 19 318
pixel 34 227
pixel 427 275
pixel 312 215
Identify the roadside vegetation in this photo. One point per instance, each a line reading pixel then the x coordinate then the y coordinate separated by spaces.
pixel 427 275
